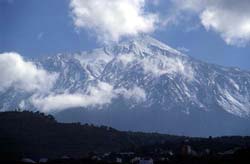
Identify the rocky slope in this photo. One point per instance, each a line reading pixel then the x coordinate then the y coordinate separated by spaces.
pixel 142 84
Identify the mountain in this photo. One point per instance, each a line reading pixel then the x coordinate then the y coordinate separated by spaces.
pixel 142 85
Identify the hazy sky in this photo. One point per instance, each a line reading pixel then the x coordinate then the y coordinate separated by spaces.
pixel 216 31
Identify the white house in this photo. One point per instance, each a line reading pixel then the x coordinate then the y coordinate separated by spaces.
pixel 146 161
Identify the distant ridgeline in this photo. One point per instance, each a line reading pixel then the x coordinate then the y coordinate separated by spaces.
pixel 36 135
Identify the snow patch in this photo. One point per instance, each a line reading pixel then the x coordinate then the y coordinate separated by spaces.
pixel 234 103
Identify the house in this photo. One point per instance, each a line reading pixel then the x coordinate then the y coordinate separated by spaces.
pixel 135 160
pixel 170 153
pixel 187 150
pixel 163 159
pixel 207 152
pixel 43 160
pixel 229 152
pixel 146 161
pixel 118 160
pixel 27 160
pixel 127 153
pixel 106 154
pixel 65 157
pixel 97 158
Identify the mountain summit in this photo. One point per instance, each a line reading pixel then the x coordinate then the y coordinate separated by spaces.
pixel 143 85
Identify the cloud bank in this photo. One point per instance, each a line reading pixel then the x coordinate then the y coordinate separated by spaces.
pixel 97 95
pixel 23 75
pixel 229 18
pixel 113 19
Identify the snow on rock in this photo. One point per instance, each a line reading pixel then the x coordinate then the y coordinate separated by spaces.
pixel 142 71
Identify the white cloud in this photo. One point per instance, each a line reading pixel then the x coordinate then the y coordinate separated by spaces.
pixel 136 93
pixel 229 18
pixel 126 58
pixel 100 94
pixel 23 75
pixel 113 19
pixel 183 49
pixel 94 63
pixel 159 65
pixel 96 95
pixel 26 76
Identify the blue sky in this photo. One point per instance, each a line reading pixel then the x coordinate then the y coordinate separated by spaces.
pixel 35 28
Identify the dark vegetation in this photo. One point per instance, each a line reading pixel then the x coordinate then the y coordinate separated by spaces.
pixel 36 135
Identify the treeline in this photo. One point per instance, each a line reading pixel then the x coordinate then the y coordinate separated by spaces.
pixel 36 135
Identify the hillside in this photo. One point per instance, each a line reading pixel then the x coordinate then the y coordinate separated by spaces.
pixel 27 134
pixel 35 134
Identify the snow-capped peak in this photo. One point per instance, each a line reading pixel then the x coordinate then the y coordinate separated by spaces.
pixel 146 41
pixel 143 46
pixel 168 78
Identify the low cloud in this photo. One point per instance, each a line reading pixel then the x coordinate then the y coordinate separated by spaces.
pixel 26 76
pixel 23 75
pixel 136 93
pixel 158 65
pixel 113 19
pixel 100 94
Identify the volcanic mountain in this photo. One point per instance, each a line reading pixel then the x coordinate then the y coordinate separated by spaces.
pixel 142 85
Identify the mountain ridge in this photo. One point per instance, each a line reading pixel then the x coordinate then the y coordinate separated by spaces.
pixel 140 76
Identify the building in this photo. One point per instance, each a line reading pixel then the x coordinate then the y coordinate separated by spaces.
pixel 146 161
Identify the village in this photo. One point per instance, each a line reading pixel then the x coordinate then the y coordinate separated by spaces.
pixel 186 154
